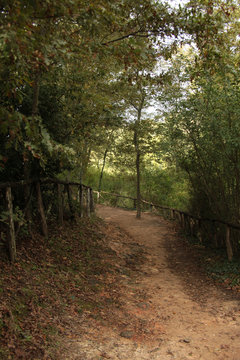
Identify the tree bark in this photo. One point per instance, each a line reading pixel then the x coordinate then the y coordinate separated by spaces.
pixel 88 203
pixel 41 211
pixel 101 175
pixel 138 185
pixel 26 161
pixel 92 207
pixel 81 200
pixel 85 158
pixel 27 193
pixel 70 201
pixel 228 244
pixel 60 204
pixel 138 154
pixel 12 239
pixel 35 95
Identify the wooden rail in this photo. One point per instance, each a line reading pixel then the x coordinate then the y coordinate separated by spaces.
pixel 84 197
pixel 42 181
pixel 190 223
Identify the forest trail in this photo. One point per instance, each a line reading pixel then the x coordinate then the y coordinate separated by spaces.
pixel 169 310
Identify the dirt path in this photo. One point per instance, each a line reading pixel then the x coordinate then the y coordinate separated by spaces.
pixel 169 310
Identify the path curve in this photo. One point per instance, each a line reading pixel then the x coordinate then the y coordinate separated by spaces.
pixel 179 320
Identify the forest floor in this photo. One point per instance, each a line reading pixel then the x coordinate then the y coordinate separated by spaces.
pixel 164 306
pixel 118 289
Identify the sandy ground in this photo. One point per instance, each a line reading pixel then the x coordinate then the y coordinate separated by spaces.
pixel 169 309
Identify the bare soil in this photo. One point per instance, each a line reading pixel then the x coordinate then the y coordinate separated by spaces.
pixel 164 308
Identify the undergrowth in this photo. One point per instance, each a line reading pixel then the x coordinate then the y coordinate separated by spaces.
pixel 220 269
pixel 51 279
pixel 216 265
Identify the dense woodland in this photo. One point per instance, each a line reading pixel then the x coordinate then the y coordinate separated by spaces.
pixel 140 98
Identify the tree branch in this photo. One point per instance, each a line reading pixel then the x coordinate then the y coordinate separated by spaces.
pixel 134 33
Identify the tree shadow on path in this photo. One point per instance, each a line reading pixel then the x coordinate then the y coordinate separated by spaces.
pixel 186 262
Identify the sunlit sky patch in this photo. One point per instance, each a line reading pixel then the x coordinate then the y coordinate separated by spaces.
pixel 177 2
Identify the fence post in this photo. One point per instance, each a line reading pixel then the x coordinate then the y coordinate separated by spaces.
pixel 88 202
pixel 228 244
pixel 214 232
pixel 12 238
pixel 182 219
pixel 191 225
pixel 41 210
pixel 200 230
pixel 91 201
pixel 60 204
pixel 185 222
pixel 189 230
pixel 81 200
pixel 98 197
pixel 70 200
pixel 185 219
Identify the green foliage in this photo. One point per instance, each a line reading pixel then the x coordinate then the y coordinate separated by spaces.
pixel 163 186
pixel 202 122
pixel 18 216
pixel 76 79
pixel 220 269
pixel 58 65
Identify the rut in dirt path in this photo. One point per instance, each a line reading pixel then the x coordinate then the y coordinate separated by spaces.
pixel 169 309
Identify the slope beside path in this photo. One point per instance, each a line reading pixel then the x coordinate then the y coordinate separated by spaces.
pixel 167 308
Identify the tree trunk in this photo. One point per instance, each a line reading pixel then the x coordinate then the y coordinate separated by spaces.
pixel 101 175
pixel 88 203
pixel 26 160
pixel 81 200
pixel 60 204
pixel 41 211
pixel 71 208
pixel 12 239
pixel 138 185
pixel 92 207
pixel 35 95
pixel 27 193
pixel 228 244
pixel 138 154
pixel 84 162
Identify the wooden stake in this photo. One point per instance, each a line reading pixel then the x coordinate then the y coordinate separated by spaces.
pixel 81 200
pixel 88 202
pixel 60 204
pixel 191 226
pixel 70 200
pixel 182 219
pixel 228 244
pixel 91 202
pixel 41 210
pixel 12 239
pixel 200 230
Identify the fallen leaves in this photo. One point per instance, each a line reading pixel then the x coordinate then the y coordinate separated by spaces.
pixel 52 281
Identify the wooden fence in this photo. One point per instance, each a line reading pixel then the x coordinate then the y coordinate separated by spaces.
pixel 219 232
pixel 79 197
